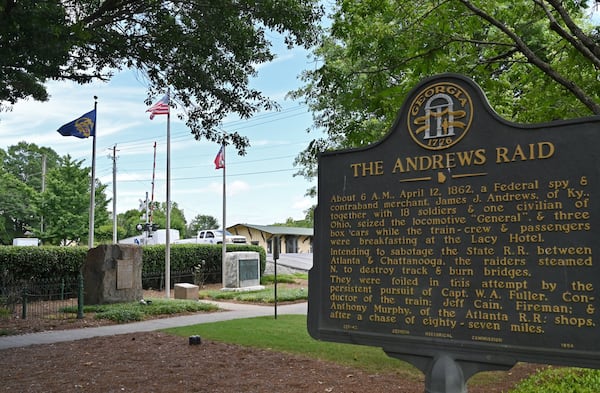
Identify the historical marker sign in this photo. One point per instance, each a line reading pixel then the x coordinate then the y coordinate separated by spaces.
pixel 461 234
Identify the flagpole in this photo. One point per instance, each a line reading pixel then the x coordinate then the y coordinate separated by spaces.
pixel 168 224
pixel 114 157
pixel 93 181
pixel 224 244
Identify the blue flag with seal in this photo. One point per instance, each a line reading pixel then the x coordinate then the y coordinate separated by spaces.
pixel 82 127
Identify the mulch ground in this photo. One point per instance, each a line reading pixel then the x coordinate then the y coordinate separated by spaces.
pixel 158 362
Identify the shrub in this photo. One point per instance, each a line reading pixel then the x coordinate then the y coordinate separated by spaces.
pixel 34 263
pixel 121 315
pixel 184 257
pixel 561 380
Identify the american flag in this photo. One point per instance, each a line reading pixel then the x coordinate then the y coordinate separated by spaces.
pixel 160 108
pixel 220 159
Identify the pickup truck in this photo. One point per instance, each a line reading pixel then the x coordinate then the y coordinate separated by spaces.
pixel 212 236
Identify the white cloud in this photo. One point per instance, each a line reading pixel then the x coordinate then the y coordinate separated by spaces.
pixel 302 203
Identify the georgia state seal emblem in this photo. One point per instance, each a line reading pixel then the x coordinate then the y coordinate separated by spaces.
pixel 440 115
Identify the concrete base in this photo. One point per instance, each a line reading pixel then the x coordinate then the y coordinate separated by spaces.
pixel 186 291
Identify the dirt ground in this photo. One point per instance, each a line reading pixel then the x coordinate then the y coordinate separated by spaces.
pixel 157 362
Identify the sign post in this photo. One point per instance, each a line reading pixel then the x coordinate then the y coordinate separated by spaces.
pixel 275 258
pixel 461 242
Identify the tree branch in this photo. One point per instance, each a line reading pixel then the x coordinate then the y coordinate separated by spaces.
pixel 591 44
pixel 111 10
pixel 579 39
pixel 535 60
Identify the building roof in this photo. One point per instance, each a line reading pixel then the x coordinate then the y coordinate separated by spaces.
pixel 279 230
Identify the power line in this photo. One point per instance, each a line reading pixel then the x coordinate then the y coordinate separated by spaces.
pixel 219 176
pixel 237 124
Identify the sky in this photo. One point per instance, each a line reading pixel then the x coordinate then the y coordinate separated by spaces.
pixel 261 186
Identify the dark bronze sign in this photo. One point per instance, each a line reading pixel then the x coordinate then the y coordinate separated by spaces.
pixel 249 270
pixel 463 235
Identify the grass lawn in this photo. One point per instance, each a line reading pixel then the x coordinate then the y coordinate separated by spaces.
pixel 288 333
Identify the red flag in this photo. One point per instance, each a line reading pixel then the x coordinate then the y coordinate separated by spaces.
pixel 160 108
pixel 220 159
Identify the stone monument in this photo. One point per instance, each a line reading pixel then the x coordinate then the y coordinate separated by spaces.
pixel 112 273
pixel 241 271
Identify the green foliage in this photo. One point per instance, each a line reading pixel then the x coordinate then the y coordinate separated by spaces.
pixel 266 295
pixel 185 256
pixel 121 315
pixel 41 262
pixel 5 313
pixel 60 214
pixel 66 202
pixel 36 30
pixel 128 222
pixel 20 188
pixel 25 161
pixel 529 60
pixel 159 217
pixel 283 278
pixel 308 222
pixel 205 51
pixel 561 380
pixel 19 207
pixel 136 311
pixel 201 222
pixel 49 261
pixel 133 217
pixel 175 306
pixel 104 234
pixel 6 332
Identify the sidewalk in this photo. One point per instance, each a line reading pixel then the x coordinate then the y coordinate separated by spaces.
pixel 228 311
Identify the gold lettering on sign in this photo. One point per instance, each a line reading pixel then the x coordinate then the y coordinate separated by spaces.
pixel 448 257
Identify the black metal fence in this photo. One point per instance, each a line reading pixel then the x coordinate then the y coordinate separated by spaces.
pixel 199 276
pixel 61 298
pixel 42 298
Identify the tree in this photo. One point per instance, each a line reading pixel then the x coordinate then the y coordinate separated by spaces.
pixel 128 221
pixel 19 208
pixel 104 233
pixel 66 202
pixel 29 162
pixel 204 50
pixel 21 182
pixel 290 222
pixel 201 222
pixel 537 60
pixel 177 217
pixel 102 217
pixel 23 205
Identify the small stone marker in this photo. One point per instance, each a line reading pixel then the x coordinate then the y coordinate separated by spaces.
pixel 186 291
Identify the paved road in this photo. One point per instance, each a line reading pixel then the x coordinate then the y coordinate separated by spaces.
pixel 230 311
pixel 290 263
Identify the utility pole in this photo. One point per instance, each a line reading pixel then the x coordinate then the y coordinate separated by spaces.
pixel 43 188
pixel 114 158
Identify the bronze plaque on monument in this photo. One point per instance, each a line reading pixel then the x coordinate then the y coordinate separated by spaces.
pixel 124 273
pixel 462 233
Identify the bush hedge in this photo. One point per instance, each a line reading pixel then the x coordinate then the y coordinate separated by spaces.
pixel 185 256
pixel 34 263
